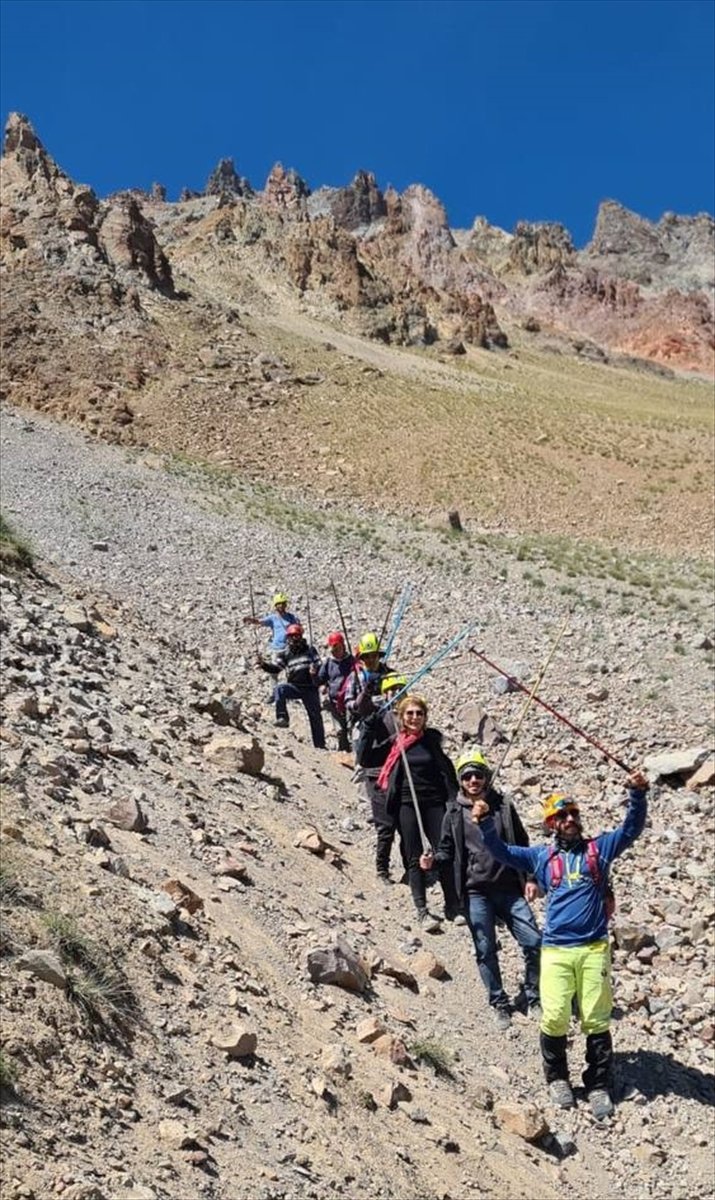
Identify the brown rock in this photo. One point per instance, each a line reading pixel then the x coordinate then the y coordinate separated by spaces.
pixel 369 1030
pixel 175 1134
pixel 403 976
pixel 44 965
pixel 183 896
pixel 704 776
pixel 427 964
pixel 239 1042
pixel 525 1120
pixel 127 814
pixel 236 754
pixel 310 839
pixel 339 965
pixel 389 1046
pixel 391 1094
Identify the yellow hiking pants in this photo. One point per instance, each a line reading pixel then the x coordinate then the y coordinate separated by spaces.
pixel 583 971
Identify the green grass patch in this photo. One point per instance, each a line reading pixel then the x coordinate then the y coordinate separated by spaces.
pixel 434 1054
pixel 15 552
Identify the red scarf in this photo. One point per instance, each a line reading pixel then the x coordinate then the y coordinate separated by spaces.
pixel 403 741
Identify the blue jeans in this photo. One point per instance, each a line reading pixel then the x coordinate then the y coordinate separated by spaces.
pixel 311 700
pixel 482 910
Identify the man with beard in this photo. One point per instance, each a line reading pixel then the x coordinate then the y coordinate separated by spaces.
pixel 575 957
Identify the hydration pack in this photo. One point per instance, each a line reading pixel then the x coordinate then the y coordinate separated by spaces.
pixel 600 879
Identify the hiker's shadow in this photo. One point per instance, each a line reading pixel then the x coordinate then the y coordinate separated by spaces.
pixel 655 1074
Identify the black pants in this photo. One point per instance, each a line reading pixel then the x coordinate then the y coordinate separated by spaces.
pixel 599 1059
pixel 410 833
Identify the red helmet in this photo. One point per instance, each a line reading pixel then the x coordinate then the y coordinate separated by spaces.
pixel 335 639
pixel 294 631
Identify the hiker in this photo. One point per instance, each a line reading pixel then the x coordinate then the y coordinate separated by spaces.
pixel 432 776
pixel 333 677
pixel 376 734
pixel 277 621
pixel 486 889
pixel 362 694
pixel 300 663
pixel 575 957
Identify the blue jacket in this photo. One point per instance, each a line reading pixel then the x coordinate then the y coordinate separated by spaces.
pixel 279 624
pixel 575 912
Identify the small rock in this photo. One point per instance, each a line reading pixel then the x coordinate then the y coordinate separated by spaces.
pixel 525 1120
pixel 336 1060
pixel 240 1042
pixel 427 964
pixel 389 1046
pixel 392 1094
pixel 705 774
pixel 76 616
pixel 677 762
pixel 236 753
pixel 339 965
pixel 45 966
pixel 369 1030
pixel 175 1134
pixel 127 814
pixel 100 546
pixel 182 895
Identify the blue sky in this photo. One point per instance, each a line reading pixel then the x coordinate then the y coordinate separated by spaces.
pixel 513 110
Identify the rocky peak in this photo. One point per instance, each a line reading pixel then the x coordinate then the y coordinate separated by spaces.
pixel 619 231
pixel 285 190
pixel 358 204
pixel 24 153
pixel 675 252
pixel 225 180
pixel 539 247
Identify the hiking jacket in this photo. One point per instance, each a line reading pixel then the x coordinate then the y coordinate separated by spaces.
pixel 575 910
pixel 279 624
pixel 476 870
pixel 432 741
pixel 376 734
pixel 296 662
pixel 333 673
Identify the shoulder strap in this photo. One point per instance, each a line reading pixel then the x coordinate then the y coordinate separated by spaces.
pixel 592 861
pixel 555 865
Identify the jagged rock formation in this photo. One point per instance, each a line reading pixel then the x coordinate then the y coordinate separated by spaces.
pixel 677 252
pixel 224 180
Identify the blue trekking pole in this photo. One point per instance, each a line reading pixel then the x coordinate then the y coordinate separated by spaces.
pixel 432 663
pixel 397 619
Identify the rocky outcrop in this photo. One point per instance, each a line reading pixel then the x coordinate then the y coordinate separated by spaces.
pixel 224 180
pixel 285 191
pixel 129 243
pixel 353 207
pixel 676 252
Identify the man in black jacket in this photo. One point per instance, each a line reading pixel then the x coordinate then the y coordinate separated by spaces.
pixel 488 890
pixel 375 735
pixel 300 663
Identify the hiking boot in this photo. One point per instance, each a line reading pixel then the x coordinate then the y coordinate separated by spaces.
pixel 601 1104
pixel 454 915
pixel 534 1010
pixel 560 1093
pixel 281 722
pixel 384 877
pixel 502 1019
pixel 426 922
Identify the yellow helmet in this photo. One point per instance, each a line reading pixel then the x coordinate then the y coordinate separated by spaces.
pixel 556 803
pixel 369 644
pixel 280 598
pixel 390 682
pixel 472 758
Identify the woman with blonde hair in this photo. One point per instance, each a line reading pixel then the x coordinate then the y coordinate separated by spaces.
pixel 418 775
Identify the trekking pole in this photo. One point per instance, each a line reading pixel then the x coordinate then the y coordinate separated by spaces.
pixel 554 712
pixel 387 617
pixel 307 605
pixel 343 626
pixel 253 614
pixel 426 844
pixel 432 663
pixel 397 620
pixel 531 697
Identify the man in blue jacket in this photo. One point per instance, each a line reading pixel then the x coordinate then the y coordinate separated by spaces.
pixel 277 621
pixel 575 957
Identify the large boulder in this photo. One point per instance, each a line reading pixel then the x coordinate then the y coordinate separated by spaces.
pixel 338 964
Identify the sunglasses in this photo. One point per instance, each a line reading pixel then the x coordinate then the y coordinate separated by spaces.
pixel 467 775
pixel 414 712
pixel 566 810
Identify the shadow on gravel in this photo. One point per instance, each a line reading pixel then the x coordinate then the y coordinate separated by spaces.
pixel 656 1074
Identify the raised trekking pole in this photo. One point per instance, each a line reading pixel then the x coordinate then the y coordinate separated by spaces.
pixel 253 614
pixel 307 605
pixel 530 698
pixel 397 620
pixel 432 663
pixel 554 712
pixel 343 626
pixel 388 614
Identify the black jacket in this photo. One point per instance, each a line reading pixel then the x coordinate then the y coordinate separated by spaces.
pixel 475 869
pixel 300 663
pixel 432 741
pixel 377 733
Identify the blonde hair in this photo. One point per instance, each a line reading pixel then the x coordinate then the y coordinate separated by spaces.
pixel 410 698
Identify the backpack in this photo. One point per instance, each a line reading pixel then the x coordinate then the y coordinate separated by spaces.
pixel 556 874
